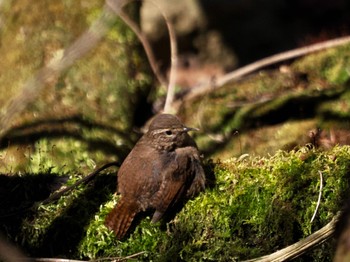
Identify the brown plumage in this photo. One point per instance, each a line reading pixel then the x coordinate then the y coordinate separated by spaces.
pixel 163 168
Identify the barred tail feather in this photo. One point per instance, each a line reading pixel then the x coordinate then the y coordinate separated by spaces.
pixel 121 217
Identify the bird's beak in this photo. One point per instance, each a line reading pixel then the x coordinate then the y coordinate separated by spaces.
pixel 186 129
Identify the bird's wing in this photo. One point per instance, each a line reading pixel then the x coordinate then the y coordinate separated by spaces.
pixel 198 183
pixel 138 177
pixel 174 180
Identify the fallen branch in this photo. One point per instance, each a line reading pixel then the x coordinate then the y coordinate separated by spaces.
pixel 302 246
pixel 248 69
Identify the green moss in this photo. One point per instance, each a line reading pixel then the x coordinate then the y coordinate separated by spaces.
pixel 258 205
pixel 313 88
pixel 332 64
pixel 339 108
pixel 92 108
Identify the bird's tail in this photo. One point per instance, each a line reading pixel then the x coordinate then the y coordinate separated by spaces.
pixel 121 217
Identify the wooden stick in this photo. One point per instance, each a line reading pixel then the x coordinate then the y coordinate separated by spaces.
pixel 116 6
pixel 60 193
pixel 85 179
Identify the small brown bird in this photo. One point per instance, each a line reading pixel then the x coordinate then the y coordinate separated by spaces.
pixel 163 168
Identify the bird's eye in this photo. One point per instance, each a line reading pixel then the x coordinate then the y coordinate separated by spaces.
pixel 168 132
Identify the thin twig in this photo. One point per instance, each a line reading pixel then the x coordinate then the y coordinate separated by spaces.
pixel 85 179
pixel 120 258
pixel 134 255
pixel 319 197
pixel 116 6
pixel 60 193
pixel 173 67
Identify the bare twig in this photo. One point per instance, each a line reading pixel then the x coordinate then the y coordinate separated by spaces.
pixel 54 260
pixel 248 69
pixel 85 179
pixel 60 193
pixel 173 67
pixel 302 246
pixel 319 197
pixel 116 6
pixel 120 258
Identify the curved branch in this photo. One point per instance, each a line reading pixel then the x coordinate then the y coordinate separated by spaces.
pixel 248 69
pixel 173 67
pixel 85 179
pixel 116 6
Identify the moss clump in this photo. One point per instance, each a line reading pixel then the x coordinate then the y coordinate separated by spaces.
pixel 258 205
pixel 312 87
pixel 331 65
